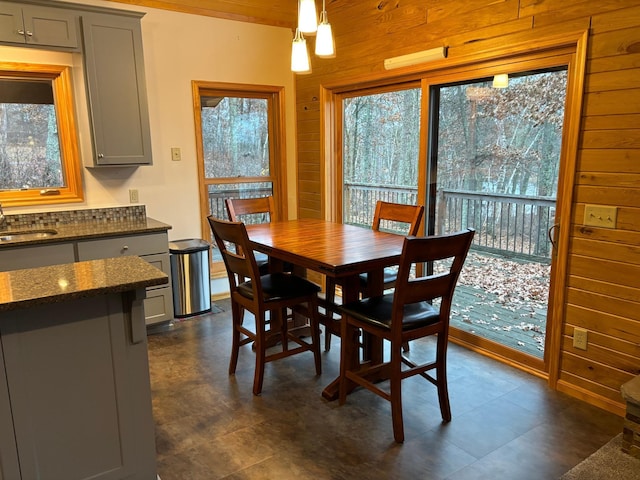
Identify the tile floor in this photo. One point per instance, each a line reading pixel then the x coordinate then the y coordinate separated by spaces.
pixel 506 424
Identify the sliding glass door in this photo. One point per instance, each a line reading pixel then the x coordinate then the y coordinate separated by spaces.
pixel 477 157
pixel 493 166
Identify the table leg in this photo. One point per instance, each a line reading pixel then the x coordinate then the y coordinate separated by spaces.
pixel 349 294
pixel 372 351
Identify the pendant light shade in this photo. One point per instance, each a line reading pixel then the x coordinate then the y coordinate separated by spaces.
pixel 325 46
pixel 299 54
pixel 307 17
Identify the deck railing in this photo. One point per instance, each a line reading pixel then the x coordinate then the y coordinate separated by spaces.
pixel 512 225
pixel 218 196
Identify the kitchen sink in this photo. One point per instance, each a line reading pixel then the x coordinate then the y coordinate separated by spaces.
pixel 26 235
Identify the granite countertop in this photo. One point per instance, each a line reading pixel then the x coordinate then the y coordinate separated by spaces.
pixel 58 283
pixel 84 230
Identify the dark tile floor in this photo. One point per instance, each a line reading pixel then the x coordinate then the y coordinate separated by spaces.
pixel 506 424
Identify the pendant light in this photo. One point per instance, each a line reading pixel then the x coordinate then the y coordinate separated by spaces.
pixel 325 46
pixel 299 54
pixel 307 17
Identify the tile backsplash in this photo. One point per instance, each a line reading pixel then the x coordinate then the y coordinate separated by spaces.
pixel 132 213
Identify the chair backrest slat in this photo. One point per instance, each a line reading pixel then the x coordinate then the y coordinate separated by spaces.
pixel 398 212
pixel 238 207
pixel 240 263
pixel 452 248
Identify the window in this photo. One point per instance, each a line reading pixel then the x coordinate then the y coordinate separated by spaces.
pixel 380 145
pixel 239 137
pixel 39 161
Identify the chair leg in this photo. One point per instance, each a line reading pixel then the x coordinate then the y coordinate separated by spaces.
pixel 315 336
pixel 441 372
pixel 348 358
pixel 284 329
pixel 236 319
pixel 258 376
pixel 395 388
pixel 330 297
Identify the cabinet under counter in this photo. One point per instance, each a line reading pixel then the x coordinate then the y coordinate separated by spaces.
pixel 75 396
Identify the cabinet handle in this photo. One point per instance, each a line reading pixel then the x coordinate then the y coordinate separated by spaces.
pixel 125 248
pixel 29 34
pixel 101 155
pixel 20 31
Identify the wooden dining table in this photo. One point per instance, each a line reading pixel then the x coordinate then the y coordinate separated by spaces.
pixel 332 249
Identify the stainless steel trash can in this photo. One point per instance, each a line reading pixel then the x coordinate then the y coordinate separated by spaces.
pixel 189 260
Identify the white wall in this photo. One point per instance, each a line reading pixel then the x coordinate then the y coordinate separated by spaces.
pixel 179 48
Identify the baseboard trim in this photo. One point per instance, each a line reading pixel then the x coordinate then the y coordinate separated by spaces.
pixel 591 398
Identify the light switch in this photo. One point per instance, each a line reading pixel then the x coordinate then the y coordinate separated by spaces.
pixel 600 216
pixel 176 156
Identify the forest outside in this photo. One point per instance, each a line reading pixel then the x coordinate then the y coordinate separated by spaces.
pixel 493 167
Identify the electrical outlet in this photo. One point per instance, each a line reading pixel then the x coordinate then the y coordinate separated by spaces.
pixel 176 155
pixel 600 216
pixel 580 338
pixel 133 196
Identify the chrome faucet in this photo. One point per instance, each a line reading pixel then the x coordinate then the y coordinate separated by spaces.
pixel 3 219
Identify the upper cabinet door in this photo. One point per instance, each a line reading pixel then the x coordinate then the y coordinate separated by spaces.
pixel 11 23
pixel 114 67
pixel 41 26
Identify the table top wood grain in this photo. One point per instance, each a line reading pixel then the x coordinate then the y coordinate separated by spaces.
pixel 330 248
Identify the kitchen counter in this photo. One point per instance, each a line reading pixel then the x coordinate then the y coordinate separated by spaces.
pixel 84 230
pixel 58 283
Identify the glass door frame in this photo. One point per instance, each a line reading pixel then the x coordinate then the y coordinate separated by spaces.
pixel 554 51
pixel 476 342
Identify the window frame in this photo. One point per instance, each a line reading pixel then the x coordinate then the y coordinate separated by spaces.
pixel 277 151
pixel 60 76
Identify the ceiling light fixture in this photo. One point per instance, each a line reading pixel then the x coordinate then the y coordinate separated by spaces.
pixel 501 80
pixel 307 16
pixel 325 45
pixel 415 58
pixel 299 54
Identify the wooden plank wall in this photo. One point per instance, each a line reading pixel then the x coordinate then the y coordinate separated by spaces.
pixel 603 293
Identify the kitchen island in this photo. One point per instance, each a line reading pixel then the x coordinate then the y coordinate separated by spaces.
pixel 75 399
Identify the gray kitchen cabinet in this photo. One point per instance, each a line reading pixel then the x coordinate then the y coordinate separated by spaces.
pixel 154 248
pixel 116 88
pixel 36 256
pixel 75 381
pixel 39 26
pixel 9 465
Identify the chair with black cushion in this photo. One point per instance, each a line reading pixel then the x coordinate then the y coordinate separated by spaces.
pixel 387 217
pixel 408 313
pixel 259 294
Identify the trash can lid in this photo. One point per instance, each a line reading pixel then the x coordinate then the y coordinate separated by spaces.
pixel 188 245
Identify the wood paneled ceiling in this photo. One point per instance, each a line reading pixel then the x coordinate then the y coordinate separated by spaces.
pixel 281 13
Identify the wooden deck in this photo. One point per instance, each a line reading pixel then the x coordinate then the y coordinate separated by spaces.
pixel 521 327
pixel 503 299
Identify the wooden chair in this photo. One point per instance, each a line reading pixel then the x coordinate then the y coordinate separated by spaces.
pixel 273 292
pixel 406 314
pixel 393 213
pixel 245 209
pixel 386 214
